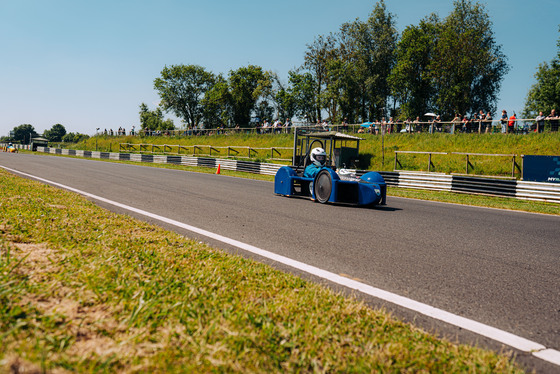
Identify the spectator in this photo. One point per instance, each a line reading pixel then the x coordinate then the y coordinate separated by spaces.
pixel 455 123
pixel 408 126
pixel 432 126
pixel 503 121
pixel 488 120
pixel 390 125
pixel 481 118
pixel 511 124
pixel 398 126
pixel 539 122
pixel 416 124
pixel 288 125
pixel 276 126
pixel 345 124
pixel 553 119
pixel 437 124
pixel 466 124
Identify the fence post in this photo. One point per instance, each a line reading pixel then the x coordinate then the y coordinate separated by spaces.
pixel 429 162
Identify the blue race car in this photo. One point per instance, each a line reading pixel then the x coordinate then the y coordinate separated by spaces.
pixel 313 174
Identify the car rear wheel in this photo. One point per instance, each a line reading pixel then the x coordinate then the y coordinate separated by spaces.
pixel 323 186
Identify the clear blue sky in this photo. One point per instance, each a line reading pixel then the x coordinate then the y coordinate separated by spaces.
pixel 88 64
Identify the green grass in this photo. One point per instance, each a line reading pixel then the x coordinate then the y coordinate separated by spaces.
pixel 478 200
pixel 86 290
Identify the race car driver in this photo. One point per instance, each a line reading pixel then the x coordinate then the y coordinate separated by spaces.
pixel 318 158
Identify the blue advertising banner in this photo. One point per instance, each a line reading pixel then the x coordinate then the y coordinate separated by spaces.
pixel 541 168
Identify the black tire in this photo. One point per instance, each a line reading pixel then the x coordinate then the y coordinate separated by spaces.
pixel 322 186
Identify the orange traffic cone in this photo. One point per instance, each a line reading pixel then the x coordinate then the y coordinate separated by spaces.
pixel 218 171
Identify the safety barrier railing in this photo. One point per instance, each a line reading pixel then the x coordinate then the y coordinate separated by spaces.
pixel 272 153
pixel 468 157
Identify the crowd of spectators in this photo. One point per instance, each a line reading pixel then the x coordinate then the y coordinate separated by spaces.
pixel 482 123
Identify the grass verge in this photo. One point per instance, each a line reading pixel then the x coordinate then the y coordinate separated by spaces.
pixel 85 290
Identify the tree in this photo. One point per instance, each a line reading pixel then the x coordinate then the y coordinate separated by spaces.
pixel 468 65
pixel 316 59
pixel 56 133
pixel 74 137
pixel 24 133
pixel 381 26
pixel 182 89
pixel 302 91
pixel 544 95
pixel 333 96
pixel 370 47
pixel 246 86
pixel 411 79
pixel 217 107
pixel 285 103
pixel 153 119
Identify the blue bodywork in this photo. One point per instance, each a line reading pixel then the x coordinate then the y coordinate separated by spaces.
pixel 369 189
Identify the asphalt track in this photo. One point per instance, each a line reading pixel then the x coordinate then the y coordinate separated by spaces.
pixel 497 267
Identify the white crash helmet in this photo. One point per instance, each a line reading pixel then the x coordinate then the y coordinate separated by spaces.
pixel 318 156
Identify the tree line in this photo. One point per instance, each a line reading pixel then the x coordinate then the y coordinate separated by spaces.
pixel 57 133
pixel 363 72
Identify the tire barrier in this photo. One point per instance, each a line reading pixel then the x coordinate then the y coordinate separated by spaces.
pixel 4 147
pixel 540 191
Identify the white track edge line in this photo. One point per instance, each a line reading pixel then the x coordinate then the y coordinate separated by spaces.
pixel 517 342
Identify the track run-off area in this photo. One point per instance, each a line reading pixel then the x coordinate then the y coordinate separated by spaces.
pixel 472 274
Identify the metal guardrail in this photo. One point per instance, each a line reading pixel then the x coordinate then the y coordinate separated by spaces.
pixel 525 190
pixel 514 165
pixel 538 191
pixel 272 153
